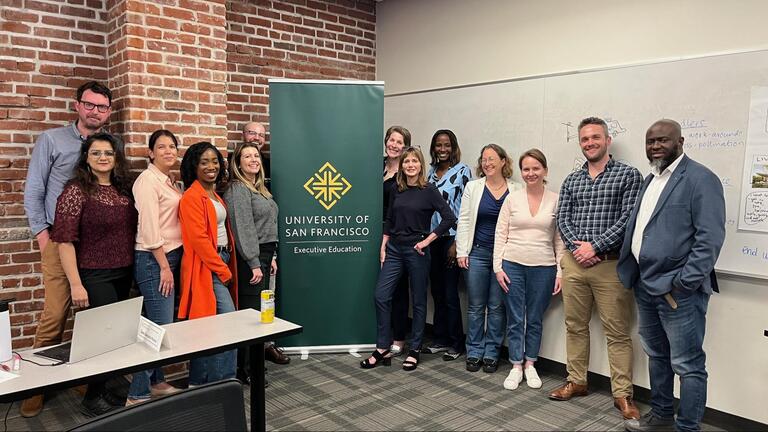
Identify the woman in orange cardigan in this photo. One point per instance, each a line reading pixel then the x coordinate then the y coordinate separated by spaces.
pixel 206 267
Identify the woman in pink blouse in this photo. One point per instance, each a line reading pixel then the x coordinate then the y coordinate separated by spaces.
pixel 95 226
pixel 526 259
pixel 158 250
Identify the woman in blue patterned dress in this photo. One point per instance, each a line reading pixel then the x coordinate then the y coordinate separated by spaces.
pixel 450 176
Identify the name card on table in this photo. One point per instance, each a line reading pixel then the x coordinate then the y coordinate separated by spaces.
pixel 153 335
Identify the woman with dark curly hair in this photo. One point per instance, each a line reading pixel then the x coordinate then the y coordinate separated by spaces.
pixel 95 226
pixel 206 267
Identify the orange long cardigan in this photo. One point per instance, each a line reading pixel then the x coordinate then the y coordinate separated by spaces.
pixel 199 234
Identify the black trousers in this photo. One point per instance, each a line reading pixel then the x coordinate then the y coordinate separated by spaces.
pixel 249 295
pixel 105 286
pixel 444 281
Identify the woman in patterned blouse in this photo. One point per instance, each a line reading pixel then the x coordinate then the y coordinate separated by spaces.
pixel 450 176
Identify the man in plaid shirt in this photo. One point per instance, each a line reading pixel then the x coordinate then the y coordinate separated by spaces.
pixel 595 203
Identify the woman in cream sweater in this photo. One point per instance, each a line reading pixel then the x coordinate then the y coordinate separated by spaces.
pixel 480 207
pixel 526 260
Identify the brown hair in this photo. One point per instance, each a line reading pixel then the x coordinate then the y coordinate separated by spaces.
pixel 402 131
pixel 535 154
pixel 594 121
pixel 402 182
pixel 506 171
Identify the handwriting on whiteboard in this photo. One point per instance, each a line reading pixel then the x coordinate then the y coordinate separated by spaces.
pixel 756 208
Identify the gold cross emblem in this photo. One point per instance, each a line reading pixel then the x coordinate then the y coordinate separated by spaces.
pixel 327 186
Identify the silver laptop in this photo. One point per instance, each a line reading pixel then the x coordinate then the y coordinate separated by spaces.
pixel 99 330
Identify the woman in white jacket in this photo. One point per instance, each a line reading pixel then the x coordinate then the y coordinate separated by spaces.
pixel 481 203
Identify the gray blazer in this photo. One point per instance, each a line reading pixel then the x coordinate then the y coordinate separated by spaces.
pixel 683 237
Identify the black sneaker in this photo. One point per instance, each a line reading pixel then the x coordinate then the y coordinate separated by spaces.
pixel 473 364
pixel 96 407
pixel 490 365
pixel 435 349
pixel 243 377
pixel 451 355
pixel 113 399
pixel 649 422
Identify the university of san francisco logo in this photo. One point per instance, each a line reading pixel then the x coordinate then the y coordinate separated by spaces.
pixel 327 186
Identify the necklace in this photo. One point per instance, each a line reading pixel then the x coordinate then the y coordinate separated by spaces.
pixel 497 188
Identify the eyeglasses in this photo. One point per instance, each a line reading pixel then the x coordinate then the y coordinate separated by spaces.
pixel 90 106
pixel 258 134
pixel 489 160
pixel 100 153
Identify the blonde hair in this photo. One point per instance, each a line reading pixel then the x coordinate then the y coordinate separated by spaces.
pixel 421 180
pixel 236 173
pixel 506 171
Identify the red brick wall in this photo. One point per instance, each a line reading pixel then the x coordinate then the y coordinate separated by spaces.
pixel 301 39
pixel 196 67
pixel 47 49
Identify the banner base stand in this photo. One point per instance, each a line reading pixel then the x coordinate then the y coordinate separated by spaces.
pixel 330 349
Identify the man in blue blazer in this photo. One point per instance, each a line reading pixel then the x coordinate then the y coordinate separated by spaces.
pixel 672 241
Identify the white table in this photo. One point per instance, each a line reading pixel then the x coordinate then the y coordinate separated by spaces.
pixel 188 339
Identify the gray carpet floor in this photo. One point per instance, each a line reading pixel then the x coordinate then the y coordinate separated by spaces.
pixel 329 392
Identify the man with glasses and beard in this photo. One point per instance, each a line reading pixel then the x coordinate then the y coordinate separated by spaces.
pixel 52 164
pixel 671 244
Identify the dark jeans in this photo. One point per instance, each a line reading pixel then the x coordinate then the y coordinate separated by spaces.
pixel 249 295
pixel 104 286
pixel 157 308
pixel 400 305
pixel 673 340
pixel 444 280
pixel 401 258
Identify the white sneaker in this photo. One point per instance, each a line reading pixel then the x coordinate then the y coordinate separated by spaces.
pixel 532 377
pixel 514 379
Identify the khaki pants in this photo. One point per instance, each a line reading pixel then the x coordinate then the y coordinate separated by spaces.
pixel 50 328
pixel 598 285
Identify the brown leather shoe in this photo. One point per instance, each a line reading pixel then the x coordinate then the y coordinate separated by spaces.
pixel 32 406
pixel 276 355
pixel 627 407
pixel 568 391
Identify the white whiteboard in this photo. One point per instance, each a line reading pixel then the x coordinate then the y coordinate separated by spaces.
pixel 708 96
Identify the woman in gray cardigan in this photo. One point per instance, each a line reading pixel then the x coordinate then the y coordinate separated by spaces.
pixel 253 214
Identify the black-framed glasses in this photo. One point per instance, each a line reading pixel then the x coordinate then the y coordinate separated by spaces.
pixel 90 106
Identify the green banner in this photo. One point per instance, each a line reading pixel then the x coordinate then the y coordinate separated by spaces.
pixel 326 140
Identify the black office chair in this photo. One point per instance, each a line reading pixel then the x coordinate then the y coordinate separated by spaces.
pixel 217 406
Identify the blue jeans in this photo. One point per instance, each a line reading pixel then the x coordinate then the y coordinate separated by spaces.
pixel 401 258
pixel 483 291
pixel 220 366
pixel 158 309
pixel 673 340
pixel 530 289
